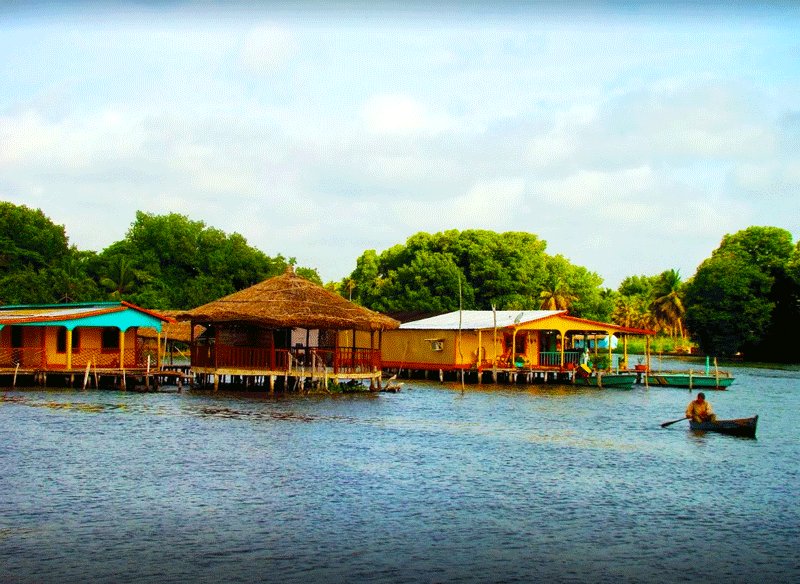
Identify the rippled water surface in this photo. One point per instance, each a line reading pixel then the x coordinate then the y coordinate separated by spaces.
pixel 433 484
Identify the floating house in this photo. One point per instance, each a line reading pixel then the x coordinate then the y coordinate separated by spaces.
pixel 67 339
pixel 541 343
pixel 287 331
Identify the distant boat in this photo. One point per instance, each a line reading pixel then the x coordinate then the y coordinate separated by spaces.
pixel 691 380
pixel 615 380
pixel 745 427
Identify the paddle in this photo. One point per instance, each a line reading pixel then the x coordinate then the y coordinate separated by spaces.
pixel 665 424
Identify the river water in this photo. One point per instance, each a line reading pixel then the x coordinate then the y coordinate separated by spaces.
pixel 432 484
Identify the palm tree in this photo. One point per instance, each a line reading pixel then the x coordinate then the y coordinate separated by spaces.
pixel 556 296
pixel 667 306
pixel 349 285
pixel 121 279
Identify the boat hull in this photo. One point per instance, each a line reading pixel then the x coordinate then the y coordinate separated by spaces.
pixel 740 427
pixel 690 381
pixel 616 380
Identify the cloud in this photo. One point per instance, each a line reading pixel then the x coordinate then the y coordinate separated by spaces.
pixel 588 187
pixel 487 204
pixel 267 49
pixel 401 114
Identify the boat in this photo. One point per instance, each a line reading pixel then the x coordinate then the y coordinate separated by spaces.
pixel 745 427
pixel 616 380
pixel 691 380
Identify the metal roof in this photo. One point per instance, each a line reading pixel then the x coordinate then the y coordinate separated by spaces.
pixel 479 319
pixel 121 314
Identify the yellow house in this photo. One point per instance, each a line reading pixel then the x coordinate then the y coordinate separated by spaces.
pixel 543 340
pixel 70 337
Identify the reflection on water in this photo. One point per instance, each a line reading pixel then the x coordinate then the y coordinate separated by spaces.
pixel 433 484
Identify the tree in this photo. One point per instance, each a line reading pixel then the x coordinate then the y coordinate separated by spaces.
pixel 37 265
pixel 170 261
pixel 556 296
pixel 29 238
pixel 739 297
pixel 507 270
pixel 667 305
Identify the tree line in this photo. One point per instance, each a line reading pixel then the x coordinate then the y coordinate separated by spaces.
pixel 743 299
pixel 163 262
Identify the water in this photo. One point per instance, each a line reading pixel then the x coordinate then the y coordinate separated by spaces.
pixel 433 484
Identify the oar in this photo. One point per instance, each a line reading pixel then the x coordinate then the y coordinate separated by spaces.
pixel 665 424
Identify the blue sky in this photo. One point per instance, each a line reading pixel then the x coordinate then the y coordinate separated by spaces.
pixel 629 136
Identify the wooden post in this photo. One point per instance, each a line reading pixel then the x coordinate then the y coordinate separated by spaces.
pixel 494 344
pixel 122 350
pixel 16 370
pixel 69 349
pixel 86 375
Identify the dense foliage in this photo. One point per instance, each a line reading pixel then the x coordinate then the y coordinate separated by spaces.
pixel 474 269
pixel 745 298
pixel 164 261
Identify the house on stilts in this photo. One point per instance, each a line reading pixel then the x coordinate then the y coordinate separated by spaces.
pixel 93 341
pixel 537 345
pixel 286 333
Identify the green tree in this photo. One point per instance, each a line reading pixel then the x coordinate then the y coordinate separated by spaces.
pixel 556 296
pixel 508 270
pixel 731 302
pixel 667 304
pixel 37 264
pixel 170 261
pixel 29 239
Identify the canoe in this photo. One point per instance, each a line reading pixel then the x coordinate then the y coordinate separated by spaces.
pixel 616 380
pixel 690 380
pixel 740 427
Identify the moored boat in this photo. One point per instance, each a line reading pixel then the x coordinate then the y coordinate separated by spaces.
pixel 739 427
pixel 690 380
pixel 616 380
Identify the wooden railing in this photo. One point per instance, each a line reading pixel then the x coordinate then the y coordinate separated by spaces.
pixel 341 360
pixel 553 358
pixel 36 358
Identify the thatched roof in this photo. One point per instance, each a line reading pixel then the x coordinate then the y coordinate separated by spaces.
pixel 174 331
pixel 288 301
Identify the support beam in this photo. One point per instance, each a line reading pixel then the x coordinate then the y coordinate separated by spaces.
pixel 122 351
pixel 69 349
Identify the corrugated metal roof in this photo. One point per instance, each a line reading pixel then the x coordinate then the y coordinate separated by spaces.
pixel 478 319
pixel 46 313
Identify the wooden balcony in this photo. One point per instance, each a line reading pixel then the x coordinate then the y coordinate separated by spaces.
pixel 260 360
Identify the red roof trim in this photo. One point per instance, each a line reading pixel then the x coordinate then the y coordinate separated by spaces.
pixel 618 328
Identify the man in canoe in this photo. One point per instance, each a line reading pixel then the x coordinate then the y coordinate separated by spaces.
pixel 699 410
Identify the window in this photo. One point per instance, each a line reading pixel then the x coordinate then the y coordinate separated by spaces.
pixel 61 340
pixel 17 341
pixel 110 339
pixel 436 344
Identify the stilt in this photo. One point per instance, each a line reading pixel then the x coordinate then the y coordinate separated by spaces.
pixel 441 376
pixel 272 384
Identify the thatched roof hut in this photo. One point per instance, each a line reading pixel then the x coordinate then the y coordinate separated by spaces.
pixel 288 301
pixel 180 331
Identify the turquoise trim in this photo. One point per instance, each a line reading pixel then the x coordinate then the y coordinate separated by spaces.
pixel 123 320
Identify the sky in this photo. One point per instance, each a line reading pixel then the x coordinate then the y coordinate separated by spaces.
pixel 629 136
